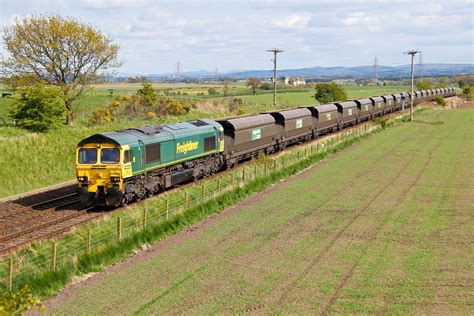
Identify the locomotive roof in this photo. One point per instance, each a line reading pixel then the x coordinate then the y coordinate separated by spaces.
pixel 153 133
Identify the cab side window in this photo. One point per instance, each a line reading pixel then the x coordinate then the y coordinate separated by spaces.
pixel 127 156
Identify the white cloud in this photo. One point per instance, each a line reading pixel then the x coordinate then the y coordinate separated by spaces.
pixel 292 22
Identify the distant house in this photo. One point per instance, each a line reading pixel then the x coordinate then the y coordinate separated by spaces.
pixel 294 81
pixel 345 81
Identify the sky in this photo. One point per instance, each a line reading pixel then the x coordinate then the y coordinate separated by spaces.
pixel 235 35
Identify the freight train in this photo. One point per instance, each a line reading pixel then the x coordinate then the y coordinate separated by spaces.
pixel 119 167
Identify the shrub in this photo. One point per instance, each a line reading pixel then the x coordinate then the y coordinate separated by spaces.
pixel 212 91
pixel 468 92
pixel 148 94
pixel 330 92
pixel 235 104
pixel 267 86
pixel 107 114
pixel 38 108
pixel 440 101
pixel 15 302
pixel 423 85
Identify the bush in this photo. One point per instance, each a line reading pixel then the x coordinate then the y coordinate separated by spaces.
pixel 107 114
pixel 15 302
pixel 330 92
pixel 468 92
pixel 235 104
pixel 440 101
pixel 423 85
pixel 267 86
pixel 148 94
pixel 38 108
pixel 212 91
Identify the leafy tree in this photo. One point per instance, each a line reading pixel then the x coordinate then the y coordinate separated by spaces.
pixel 58 51
pixel 461 83
pixel 38 107
pixel 253 83
pixel 330 92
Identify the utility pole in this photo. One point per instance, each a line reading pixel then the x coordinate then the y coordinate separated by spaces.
pixel 275 51
pixel 412 53
pixel 421 64
pixel 375 70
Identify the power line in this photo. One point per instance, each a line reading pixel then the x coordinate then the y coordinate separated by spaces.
pixel 412 53
pixel 275 51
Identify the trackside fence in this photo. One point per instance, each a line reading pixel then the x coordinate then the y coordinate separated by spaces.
pixel 54 256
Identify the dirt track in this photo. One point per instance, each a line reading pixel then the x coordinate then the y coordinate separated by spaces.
pixel 384 227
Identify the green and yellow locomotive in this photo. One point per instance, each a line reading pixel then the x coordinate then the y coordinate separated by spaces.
pixel 118 167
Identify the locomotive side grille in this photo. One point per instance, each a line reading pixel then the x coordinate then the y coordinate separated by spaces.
pixel 152 153
pixel 210 143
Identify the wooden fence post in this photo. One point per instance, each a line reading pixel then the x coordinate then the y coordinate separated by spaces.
pixel 243 175
pixel 202 193
pixel 89 240
pixel 274 165
pixel 298 154
pixel 10 274
pixel 186 201
pixel 119 228
pixel 265 168
pixel 145 215
pixel 53 255
pixel 305 152
pixel 167 207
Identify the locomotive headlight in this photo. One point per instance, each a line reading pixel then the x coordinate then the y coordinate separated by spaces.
pixel 115 179
pixel 82 179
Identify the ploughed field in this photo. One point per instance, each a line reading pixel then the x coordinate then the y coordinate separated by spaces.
pixel 385 226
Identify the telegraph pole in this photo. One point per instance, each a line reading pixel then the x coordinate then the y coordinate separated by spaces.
pixel 275 51
pixel 375 70
pixel 412 53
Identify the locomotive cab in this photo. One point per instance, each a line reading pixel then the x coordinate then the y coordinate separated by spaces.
pixel 100 170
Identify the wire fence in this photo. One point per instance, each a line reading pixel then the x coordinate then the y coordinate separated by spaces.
pixel 50 256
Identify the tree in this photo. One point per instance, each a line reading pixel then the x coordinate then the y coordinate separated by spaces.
pixel 423 85
pixel 38 108
pixel 58 51
pixel 253 83
pixel 330 92
pixel 212 91
pixel 226 88
pixel 148 93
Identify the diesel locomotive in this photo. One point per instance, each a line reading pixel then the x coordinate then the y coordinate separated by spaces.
pixel 119 167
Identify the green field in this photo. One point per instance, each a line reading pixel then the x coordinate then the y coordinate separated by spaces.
pixel 30 161
pixel 384 227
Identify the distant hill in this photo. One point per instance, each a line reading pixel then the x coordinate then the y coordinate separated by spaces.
pixel 384 72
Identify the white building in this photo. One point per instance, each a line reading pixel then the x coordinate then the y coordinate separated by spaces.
pixel 294 81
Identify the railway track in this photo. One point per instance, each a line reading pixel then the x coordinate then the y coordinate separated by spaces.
pixel 21 225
